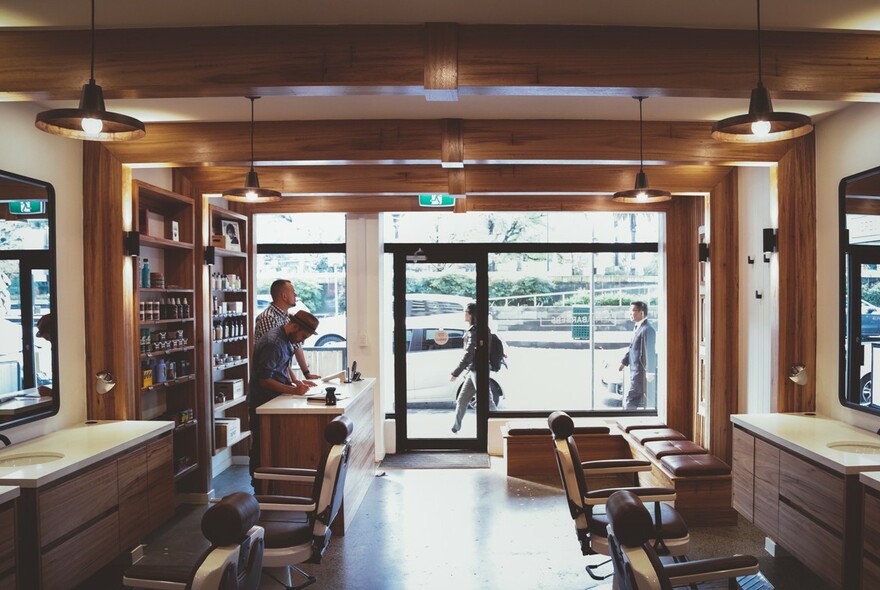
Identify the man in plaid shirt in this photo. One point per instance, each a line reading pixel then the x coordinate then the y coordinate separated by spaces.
pixel 283 298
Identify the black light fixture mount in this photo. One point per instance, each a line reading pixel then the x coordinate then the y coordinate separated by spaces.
pixel 770 243
pixel 91 121
pixel 210 254
pixel 251 191
pixel 762 124
pixel 131 243
pixel 641 193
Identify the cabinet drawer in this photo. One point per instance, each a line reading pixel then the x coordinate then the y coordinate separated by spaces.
pixel 870 575
pixel 743 473
pixel 813 490
pixel 871 531
pixel 134 512
pixel 8 582
pixel 811 544
pixel 68 505
pixel 7 539
pixel 160 480
pixel 80 556
pixel 766 487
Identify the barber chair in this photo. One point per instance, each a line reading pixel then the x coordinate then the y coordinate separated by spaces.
pixel 228 557
pixel 636 563
pixel 298 528
pixel 669 531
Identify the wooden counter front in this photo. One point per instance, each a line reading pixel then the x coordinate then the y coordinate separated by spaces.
pixel 292 435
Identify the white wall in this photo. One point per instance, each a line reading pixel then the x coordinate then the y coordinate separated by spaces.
pixel 757 210
pixel 847 143
pixel 56 160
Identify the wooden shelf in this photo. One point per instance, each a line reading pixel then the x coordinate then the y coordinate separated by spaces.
pixel 231 314
pixel 186 471
pixel 241 437
pixel 185 426
pixel 230 290
pixel 225 366
pixel 154 242
pixel 172 383
pixel 157 353
pixel 228 404
pixel 167 290
pixel 225 340
pixel 225 252
pixel 177 321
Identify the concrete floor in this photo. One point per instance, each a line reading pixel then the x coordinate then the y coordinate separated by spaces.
pixel 478 529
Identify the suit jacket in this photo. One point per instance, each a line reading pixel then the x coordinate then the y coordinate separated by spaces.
pixel 641 358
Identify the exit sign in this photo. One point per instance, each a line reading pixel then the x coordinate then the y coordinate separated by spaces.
pixel 27 207
pixel 438 200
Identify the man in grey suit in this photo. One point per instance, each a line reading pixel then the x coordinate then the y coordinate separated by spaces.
pixel 641 358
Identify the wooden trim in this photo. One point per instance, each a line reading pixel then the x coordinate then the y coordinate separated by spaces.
pixel 724 310
pixel 334 60
pixel 797 273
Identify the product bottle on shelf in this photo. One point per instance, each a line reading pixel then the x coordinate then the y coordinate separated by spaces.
pixel 160 376
pixel 186 310
pixel 145 274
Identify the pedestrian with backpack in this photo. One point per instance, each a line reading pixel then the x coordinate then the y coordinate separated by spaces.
pixel 466 366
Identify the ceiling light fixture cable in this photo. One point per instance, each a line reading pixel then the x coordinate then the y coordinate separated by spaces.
pixel 251 191
pixel 641 193
pixel 91 121
pixel 761 124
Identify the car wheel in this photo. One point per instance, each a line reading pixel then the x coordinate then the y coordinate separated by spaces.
pixel 866 390
pixel 329 339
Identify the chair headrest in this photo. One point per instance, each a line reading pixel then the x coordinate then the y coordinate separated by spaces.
pixel 338 430
pixel 227 521
pixel 629 517
pixel 560 424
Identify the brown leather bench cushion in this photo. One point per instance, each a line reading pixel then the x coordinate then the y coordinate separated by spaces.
pixel 663 448
pixel 545 431
pixel 695 465
pixel 630 426
pixel 649 434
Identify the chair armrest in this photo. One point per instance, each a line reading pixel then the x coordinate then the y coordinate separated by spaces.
pixel 715 568
pixel 290 474
pixel 596 497
pixel 613 466
pixel 286 503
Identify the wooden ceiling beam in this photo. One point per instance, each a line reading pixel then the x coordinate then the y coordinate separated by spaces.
pixel 477 180
pixel 409 141
pixel 438 60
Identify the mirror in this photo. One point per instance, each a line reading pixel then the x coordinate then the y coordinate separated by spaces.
pixel 28 301
pixel 860 290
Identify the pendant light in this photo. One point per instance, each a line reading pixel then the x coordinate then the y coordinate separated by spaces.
pixel 251 191
pixel 762 124
pixel 91 121
pixel 641 193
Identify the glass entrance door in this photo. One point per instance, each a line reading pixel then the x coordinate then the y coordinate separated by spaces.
pixel 432 292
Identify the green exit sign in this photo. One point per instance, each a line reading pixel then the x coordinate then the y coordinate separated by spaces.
pixel 438 200
pixel 27 207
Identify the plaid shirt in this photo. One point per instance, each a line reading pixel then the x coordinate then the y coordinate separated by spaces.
pixel 269 318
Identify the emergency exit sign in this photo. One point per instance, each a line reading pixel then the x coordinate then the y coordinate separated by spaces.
pixel 436 200
pixel 26 207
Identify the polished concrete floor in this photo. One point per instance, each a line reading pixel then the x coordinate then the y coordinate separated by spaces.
pixel 478 529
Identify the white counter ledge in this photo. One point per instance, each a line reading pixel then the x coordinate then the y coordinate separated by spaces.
pixel 809 436
pixel 870 479
pixel 298 404
pixel 8 493
pixel 81 445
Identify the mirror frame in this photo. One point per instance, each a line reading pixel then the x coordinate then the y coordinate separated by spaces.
pixel 53 302
pixel 844 381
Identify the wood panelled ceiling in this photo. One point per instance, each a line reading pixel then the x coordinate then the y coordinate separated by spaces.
pixel 441 61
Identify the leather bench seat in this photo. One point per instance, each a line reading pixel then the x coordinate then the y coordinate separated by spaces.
pixel 663 448
pixel 626 426
pixel 650 434
pixel 526 430
pixel 695 465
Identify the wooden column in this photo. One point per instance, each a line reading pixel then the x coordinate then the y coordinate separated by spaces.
pixel 109 309
pixel 724 311
pixel 682 266
pixel 441 61
pixel 796 178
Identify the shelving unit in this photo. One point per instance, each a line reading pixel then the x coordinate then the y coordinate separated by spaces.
pixel 165 326
pixel 230 345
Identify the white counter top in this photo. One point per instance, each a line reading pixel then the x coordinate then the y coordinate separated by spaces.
pixel 8 493
pixel 81 446
pixel 809 436
pixel 870 479
pixel 297 404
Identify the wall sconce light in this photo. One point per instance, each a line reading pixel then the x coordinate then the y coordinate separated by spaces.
pixel 798 374
pixel 704 252
pixel 770 242
pixel 131 243
pixel 104 381
pixel 209 255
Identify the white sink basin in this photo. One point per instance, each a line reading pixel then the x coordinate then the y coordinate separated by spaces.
pixel 23 459
pixel 861 448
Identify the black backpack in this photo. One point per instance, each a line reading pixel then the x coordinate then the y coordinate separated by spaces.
pixel 496 353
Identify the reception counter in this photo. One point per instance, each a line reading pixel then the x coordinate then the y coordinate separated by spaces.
pixel 293 436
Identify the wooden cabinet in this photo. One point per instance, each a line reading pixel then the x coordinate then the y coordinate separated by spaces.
pixel 229 327
pixel 766 487
pixel 165 305
pixel 744 473
pixel 84 521
pixel 7 546
pixel 871 541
